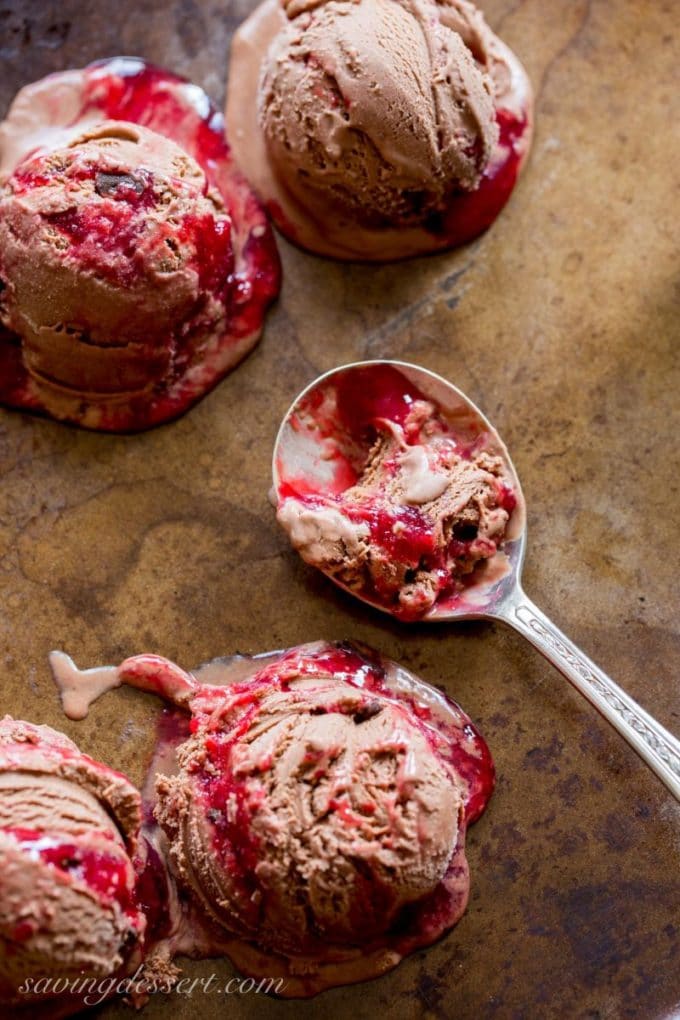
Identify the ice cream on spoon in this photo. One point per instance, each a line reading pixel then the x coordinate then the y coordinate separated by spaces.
pixel 409 502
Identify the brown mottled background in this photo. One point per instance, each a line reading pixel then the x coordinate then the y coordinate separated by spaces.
pixel 562 323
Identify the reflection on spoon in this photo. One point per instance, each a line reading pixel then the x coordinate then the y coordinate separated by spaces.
pixel 394 484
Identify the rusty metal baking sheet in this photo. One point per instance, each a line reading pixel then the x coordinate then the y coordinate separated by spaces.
pixel 562 324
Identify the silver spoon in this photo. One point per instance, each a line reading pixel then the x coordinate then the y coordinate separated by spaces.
pixel 302 452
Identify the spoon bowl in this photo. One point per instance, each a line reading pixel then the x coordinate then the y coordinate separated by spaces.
pixel 319 452
pixel 316 450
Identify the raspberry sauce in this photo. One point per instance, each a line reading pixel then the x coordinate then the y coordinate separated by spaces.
pixel 109 875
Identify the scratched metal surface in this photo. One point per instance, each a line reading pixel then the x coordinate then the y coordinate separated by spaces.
pixel 561 323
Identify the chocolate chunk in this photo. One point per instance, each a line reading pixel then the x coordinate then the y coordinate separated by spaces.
pixel 108 184
pixel 367 711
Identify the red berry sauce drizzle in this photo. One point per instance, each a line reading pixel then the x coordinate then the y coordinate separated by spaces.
pixel 344 415
pixel 154 891
pixel 108 875
pixel 470 213
pixel 241 265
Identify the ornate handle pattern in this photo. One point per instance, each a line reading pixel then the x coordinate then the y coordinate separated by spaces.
pixel 655 745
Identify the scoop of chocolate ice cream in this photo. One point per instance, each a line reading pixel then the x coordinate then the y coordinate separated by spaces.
pixel 136 264
pixel 378 107
pixel 310 814
pixel 377 129
pixel 67 828
pixel 113 256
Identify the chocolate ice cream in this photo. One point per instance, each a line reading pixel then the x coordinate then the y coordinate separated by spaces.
pixel 135 266
pixel 411 504
pixel 68 827
pixel 377 128
pixel 406 115
pixel 278 820
pixel 107 245
pixel 316 817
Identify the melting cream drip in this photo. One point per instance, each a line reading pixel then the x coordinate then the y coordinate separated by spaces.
pixel 79 688
pixel 422 484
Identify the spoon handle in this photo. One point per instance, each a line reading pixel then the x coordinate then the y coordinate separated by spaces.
pixel 655 745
